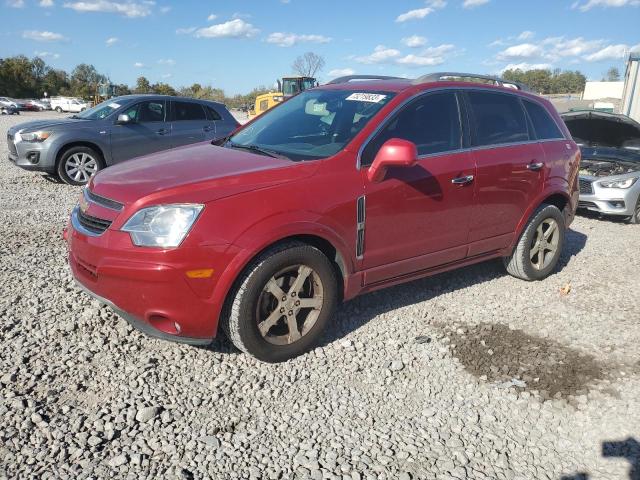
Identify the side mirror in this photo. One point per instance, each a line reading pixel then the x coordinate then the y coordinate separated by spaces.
pixel 123 119
pixel 395 152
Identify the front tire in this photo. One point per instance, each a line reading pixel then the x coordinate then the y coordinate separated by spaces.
pixel 283 303
pixel 58 109
pixel 538 250
pixel 635 218
pixel 78 164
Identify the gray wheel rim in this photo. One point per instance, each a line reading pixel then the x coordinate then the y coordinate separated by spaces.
pixel 545 244
pixel 80 167
pixel 289 305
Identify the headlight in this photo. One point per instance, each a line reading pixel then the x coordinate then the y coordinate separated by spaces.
pixel 162 226
pixel 35 136
pixel 626 183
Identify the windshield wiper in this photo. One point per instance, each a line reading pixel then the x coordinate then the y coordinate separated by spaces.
pixel 255 148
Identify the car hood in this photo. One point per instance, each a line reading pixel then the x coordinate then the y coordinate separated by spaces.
pixel 50 124
pixel 198 173
pixel 600 129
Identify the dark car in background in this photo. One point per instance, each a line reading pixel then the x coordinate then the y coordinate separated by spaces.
pixel 76 147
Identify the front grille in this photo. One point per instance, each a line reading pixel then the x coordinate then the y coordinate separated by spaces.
pixel 102 201
pixel 586 186
pixel 93 224
pixel 587 205
pixel 11 145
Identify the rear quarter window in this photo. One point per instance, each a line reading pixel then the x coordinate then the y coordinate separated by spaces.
pixel 498 119
pixel 543 124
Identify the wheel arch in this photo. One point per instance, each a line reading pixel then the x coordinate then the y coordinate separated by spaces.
pixel 82 143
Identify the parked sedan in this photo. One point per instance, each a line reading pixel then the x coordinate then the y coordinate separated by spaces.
pixel 610 165
pixel 75 148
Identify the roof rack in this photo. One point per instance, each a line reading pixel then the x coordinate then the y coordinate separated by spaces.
pixel 349 78
pixel 439 76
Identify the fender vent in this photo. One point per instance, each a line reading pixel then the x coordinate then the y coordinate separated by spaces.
pixel 360 217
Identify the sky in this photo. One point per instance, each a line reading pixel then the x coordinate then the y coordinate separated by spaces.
pixel 237 45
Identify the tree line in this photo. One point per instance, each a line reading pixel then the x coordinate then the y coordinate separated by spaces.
pixel 548 81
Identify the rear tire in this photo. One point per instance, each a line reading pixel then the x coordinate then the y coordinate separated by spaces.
pixel 263 318
pixel 58 109
pixel 538 250
pixel 78 164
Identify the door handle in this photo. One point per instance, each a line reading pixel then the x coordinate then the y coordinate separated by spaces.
pixel 462 180
pixel 535 166
pixel 162 131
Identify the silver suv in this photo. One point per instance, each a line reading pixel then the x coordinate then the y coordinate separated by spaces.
pixel 75 148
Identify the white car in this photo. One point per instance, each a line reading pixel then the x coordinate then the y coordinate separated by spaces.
pixel 7 102
pixel 73 105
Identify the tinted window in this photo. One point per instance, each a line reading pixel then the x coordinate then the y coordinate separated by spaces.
pixel 152 111
pixel 432 122
pixel 188 111
pixel 499 118
pixel 212 114
pixel 543 124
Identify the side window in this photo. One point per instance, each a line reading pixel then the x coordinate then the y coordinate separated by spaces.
pixel 499 118
pixel 264 104
pixel 132 112
pixel 183 111
pixel 212 114
pixel 432 122
pixel 543 124
pixel 152 111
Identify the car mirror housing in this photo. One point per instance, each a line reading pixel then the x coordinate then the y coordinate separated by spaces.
pixel 123 119
pixel 395 152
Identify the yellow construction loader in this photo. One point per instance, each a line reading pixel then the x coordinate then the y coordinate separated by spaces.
pixel 289 87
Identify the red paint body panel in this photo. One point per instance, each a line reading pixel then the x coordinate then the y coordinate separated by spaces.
pixel 417 222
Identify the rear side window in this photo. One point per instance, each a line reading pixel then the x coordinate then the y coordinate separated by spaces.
pixel 432 122
pixel 543 124
pixel 212 114
pixel 183 111
pixel 499 119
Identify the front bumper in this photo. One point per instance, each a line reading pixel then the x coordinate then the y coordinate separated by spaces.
pixel 149 287
pixel 31 155
pixel 611 201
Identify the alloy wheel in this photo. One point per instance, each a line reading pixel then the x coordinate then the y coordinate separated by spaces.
pixel 289 305
pixel 545 244
pixel 80 167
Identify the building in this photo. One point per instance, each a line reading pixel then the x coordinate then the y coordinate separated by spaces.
pixel 631 94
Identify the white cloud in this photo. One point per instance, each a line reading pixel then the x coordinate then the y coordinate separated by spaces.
pixel 46 3
pixel 289 39
pixel 414 41
pixel 15 3
pixel 186 31
pixel 127 8
pixel 524 66
pixel 560 47
pixel 589 4
pixel 212 17
pixel 236 28
pixel 167 61
pixel 526 35
pixel 414 14
pixel 428 57
pixel 112 41
pixel 474 3
pixel 165 9
pixel 139 65
pixel 43 36
pixel 610 52
pixel 381 54
pixel 523 50
pixel 167 75
pixel 47 54
pixel 341 72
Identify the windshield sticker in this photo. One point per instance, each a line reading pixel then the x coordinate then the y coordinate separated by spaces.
pixel 114 105
pixel 366 97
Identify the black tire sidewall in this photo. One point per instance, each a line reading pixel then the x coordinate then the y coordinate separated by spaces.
pixel 545 212
pixel 65 156
pixel 250 336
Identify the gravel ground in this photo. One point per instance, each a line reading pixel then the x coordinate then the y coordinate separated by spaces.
pixel 469 374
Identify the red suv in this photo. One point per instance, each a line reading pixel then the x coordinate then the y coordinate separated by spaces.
pixel 341 190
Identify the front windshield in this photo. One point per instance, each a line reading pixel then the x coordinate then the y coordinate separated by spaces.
pixel 100 111
pixel 315 124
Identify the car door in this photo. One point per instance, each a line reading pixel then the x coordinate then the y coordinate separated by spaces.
pixel 189 123
pixel 509 162
pixel 418 217
pixel 148 132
